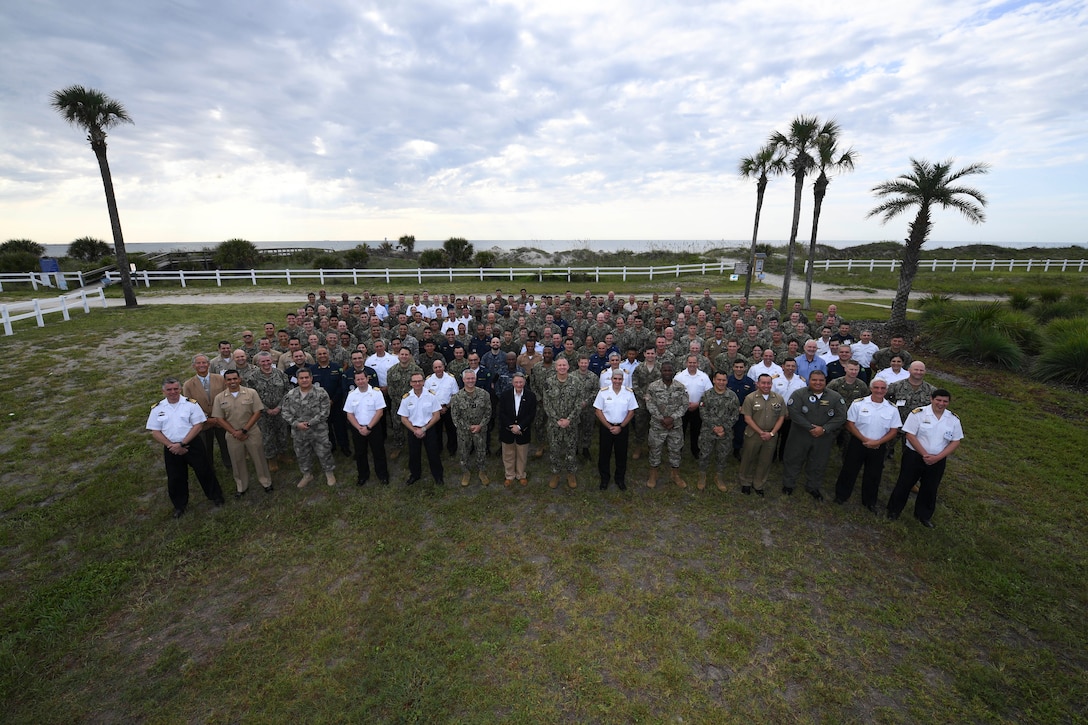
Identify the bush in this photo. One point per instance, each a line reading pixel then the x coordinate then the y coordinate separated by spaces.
pixel 358 256
pixel 324 260
pixel 485 260
pixel 1050 295
pixel 386 248
pixel 88 249
pixel 19 261
pixel 433 259
pixel 22 245
pixel 304 256
pixel 236 254
pixel 1020 301
pixel 407 243
pixel 1065 352
pixel 987 332
pixel 458 251
pixel 1044 312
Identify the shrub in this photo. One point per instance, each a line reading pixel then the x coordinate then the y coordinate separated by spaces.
pixel 19 261
pixel 988 332
pixel 358 256
pixel 1058 309
pixel 22 245
pixel 432 259
pixel 485 260
pixel 407 243
pixel 458 251
pixel 324 260
pixel 88 249
pixel 236 254
pixel 1020 301
pixel 1050 295
pixel 386 248
pixel 304 256
pixel 1065 352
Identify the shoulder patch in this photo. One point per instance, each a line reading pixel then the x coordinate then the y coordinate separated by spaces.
pixel 917 410
pixel 405 396
pixel 191 400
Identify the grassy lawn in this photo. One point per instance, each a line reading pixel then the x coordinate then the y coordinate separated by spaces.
pixel 960 282
pixel 525 605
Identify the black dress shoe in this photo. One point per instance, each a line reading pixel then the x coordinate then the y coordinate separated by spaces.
pixel 621 485
pixel 893 515
pixel 816 495
pixel 178 513
pixel 927 523
pixel 759 492
pixel 410 480
pixel 440 482
pixel 239 494
pixel 384 481
pixel 268 489
pixel 218 502
pixel 746 490
pixel 873 507
pixel 787 490
pixel 361 481
pixel 604 485
pixel 840 501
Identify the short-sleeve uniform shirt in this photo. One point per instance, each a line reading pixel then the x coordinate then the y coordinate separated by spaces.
pixel 175 420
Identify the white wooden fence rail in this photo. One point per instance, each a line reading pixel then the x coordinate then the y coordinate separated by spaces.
pixel 37 309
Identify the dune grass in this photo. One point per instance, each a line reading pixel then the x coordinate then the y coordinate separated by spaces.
pixel 527 605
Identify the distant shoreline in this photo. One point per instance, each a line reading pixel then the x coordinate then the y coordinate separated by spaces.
pixel 549 245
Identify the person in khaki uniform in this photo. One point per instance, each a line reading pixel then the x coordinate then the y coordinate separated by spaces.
pixel 764 412
pixel 238 409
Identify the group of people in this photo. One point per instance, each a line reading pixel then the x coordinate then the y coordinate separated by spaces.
pixel 375 375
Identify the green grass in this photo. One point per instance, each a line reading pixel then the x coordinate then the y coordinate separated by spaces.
pixel 527 605
pixel 959 282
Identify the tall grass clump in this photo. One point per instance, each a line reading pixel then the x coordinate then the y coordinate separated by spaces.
pixel 1050 295
pixel 1020 301
pixel 1064 357
pixel 984 332
pixel 1066 308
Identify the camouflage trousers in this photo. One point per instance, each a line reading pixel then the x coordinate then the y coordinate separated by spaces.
pixel 472 448
pixel 311 443
pixel 564 447
pixel 586 426
pixel 276 434
pixel 659 437
pixel 711 445
pixel 640 425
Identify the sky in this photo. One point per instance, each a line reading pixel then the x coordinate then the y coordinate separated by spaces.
pixel 356 120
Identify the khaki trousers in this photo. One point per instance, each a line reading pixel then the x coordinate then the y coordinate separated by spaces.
pixel 254 446
pixel 515 457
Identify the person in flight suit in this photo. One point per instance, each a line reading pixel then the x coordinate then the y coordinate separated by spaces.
pixel 817 415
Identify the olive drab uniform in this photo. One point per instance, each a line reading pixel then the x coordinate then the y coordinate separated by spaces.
pixel 564 399
pixel 808 410
pixel 756 455
pixel 469 408
pixel 665 401
pixel 312 409
pixel 275 432
pixel 717 409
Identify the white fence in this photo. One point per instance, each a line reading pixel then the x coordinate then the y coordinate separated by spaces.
pixel 388 276
pixel 39 308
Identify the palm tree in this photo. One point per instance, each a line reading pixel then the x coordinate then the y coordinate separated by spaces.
pixel 828 158
pixel 927 186
pixel 767 161
pixel 95 113
pixel 799 144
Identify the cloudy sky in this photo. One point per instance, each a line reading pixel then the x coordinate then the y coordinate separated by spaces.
pixel 346 120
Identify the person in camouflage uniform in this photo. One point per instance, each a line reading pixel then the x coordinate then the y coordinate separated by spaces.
pixel 470 408
pixel 564 398
pixel 907 394
pixel 720 409
pixel 667 401
pixel 644 374
pixel 306 410
pixel 586 419
pixel 398 384
pixel 271 385
pixel 537 377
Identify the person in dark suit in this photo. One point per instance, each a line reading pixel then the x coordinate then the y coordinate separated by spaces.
pixel 517 408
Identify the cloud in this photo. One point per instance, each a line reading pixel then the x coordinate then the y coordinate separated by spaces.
pixel 294 120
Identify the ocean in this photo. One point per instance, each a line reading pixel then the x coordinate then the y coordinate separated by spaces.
pixel 545 245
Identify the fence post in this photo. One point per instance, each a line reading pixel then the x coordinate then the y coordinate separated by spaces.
pixel 511 274
pixel 539 274
pixel 973 263
pixel 849 265
pixel 354 277
pixel 953 265
pixel 64 308
pixel 181 276
pixel 934 269
pixel 7 319
pixel 34 281
pixel 596 274
pixel 1046 265
pixel 81 283
pixel 625 273
pixel 86 305
pixel 651 272
pixel 1011 263
pixel 704 269
pixel 38 313
pixel 678 270
pixel 419 275
pixel 871 263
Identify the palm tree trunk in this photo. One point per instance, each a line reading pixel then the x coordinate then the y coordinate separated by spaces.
pixel 912 253
pixel 798 187
pixel 819 192
pixel 761 187
pixel 115 223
